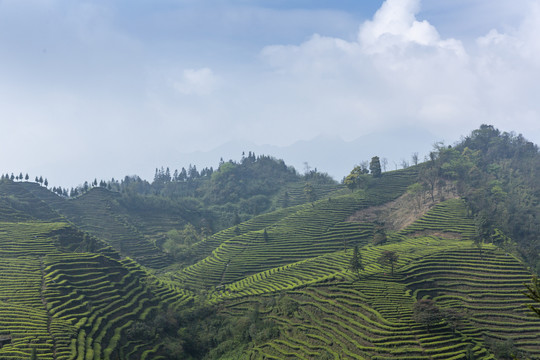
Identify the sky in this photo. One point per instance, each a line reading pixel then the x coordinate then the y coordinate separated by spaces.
pixel 101 89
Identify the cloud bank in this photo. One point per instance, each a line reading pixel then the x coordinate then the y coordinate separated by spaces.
pixel 108 89
pixel 400 72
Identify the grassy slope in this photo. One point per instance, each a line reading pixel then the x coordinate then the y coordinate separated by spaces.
pixel 294 234
pixel 340 316
pixel 82 304
pixel 66 302
pixel 98 213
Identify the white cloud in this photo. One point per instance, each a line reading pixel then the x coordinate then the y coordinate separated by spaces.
pixel 400 71
pixel 197 81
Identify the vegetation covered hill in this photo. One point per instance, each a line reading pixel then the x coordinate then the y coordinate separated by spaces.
pixel 253 261
pixel 163 222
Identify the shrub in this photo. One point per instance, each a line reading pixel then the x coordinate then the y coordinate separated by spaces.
pixel 427 313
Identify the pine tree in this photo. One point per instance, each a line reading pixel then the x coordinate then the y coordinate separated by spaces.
pixel 375 167
pixel 356 261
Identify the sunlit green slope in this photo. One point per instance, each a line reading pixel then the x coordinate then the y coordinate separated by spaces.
pixel 66 295
pixel 324 311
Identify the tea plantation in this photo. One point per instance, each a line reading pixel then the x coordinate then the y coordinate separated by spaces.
pixel 426 262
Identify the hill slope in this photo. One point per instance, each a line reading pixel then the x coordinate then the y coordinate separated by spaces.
pixel 323 310
pixel 444 249
pixel 66 295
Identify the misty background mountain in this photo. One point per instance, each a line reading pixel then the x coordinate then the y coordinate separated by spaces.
pixel 331 155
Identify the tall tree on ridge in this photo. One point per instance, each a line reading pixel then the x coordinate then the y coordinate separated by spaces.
pixel 375 167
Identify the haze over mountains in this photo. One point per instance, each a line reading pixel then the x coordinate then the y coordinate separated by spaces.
pixel 329 154
pixel 332 155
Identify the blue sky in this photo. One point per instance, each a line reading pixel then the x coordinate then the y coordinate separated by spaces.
pixel 109 88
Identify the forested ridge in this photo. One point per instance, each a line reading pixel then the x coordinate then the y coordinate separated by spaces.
pixel 253 260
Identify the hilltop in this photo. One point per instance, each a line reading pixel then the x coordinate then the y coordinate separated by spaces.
pixel 255 261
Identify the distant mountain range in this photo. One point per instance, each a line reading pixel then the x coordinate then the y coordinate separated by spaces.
pixel 332 155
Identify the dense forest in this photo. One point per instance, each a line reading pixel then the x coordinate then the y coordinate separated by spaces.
pixel 253 260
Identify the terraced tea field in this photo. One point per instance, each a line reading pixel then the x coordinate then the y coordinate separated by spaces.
pixel 293 234
pixel 73 305
pixel 68 291
pixel 336 315
pixel 98 213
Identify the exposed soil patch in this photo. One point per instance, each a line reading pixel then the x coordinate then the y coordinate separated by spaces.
pixel 440 234
pixel 400 213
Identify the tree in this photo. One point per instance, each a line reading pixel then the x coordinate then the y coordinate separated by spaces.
pixel 237 219
pixel 427 313
pixel 375 167
pixel 533 292
pixel 384 163
pixel 469 352
pixel 404 164
pixel 265 235
pixel 26 177
pixel 350 181
pixel 364 169
pixel 357 178
pixel 307 168
pixel 429 177
pixel 45 182
pixel 356 261
pixel 285 202
pixel 415 158
pixel 310 192
pixel 183 175
pixel 504 349
pixel 453 318
pixel 388 257
pixel 379 236
pixel 417 192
